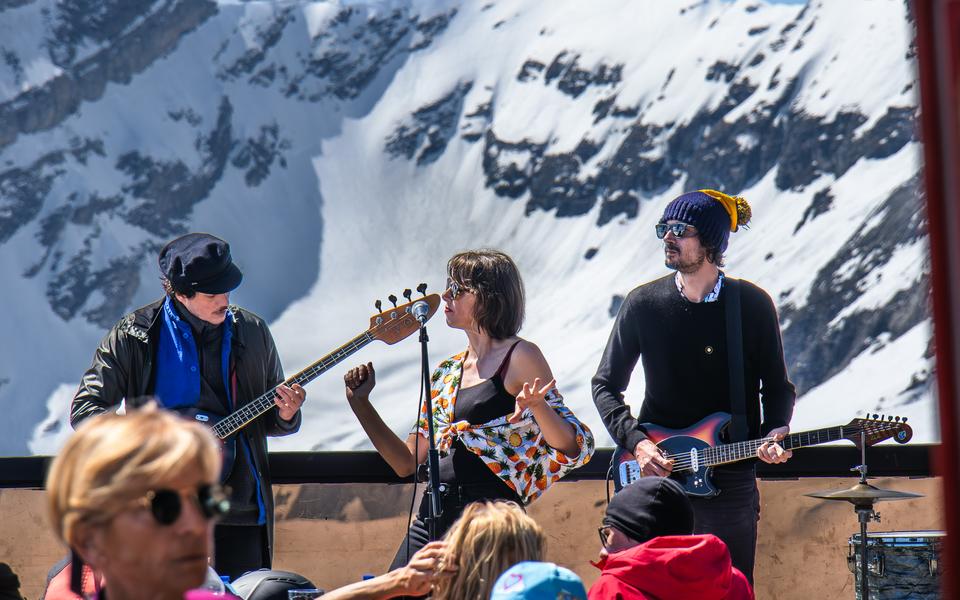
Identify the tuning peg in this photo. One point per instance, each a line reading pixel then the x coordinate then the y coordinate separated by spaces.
pixel 379 306
pixel 392 299
pixel 890 418
pixel 904 419
pixel 407 293
pixel 422 288
pixel 876 416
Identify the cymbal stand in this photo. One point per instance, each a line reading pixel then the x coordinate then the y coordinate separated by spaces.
pixel 865 514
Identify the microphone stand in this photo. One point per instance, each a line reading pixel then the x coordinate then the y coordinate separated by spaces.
pixel 434 489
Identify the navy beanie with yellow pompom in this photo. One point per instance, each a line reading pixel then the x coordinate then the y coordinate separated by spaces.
pixel 713 213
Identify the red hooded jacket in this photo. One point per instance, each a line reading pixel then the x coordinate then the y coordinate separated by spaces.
pixel 672 567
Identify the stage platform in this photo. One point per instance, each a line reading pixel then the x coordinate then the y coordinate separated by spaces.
pixel 341 515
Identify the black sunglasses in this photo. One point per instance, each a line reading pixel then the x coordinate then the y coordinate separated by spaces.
pixel 166 505
pixel 677 229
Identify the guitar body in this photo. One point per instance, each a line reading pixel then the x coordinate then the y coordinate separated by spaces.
pixel 228 446
pixel 695 482
pixel 689 442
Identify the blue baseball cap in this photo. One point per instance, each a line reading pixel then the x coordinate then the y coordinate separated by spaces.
pixel 531 580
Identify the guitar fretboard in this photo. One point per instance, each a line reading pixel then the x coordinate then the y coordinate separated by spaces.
pixel 239 419
pixel 737 451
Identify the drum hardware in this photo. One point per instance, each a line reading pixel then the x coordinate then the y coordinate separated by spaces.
pixel 874 565
pixel 902 564
pixel 863 496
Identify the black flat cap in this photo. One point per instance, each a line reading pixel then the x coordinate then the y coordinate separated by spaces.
pixel 200 262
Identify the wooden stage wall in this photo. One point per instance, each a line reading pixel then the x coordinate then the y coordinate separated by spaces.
pixel 334 533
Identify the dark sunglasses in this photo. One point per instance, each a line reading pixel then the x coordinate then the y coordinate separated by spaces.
pixel 677 229
pixel 166 505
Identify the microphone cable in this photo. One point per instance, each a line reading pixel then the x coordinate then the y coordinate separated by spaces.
pixel 416 464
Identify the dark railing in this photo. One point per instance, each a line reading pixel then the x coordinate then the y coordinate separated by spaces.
pixel 368 467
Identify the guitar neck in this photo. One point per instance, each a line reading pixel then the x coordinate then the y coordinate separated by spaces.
pixel 737 451
pixel 239 419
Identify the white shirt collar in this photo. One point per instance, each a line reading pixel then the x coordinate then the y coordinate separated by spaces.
pixel 711 297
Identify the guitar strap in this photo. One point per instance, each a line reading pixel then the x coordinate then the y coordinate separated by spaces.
pixel 738 408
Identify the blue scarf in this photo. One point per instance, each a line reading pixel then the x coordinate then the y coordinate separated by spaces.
pixel 178 365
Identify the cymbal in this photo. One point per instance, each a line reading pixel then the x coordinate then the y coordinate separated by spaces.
pixel 862 494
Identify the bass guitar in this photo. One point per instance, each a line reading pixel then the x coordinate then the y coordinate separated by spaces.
pixel 698 448
pixel 389 326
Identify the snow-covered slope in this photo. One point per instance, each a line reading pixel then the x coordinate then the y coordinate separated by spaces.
pixel 346 149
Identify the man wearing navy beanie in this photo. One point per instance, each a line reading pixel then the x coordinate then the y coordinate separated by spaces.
pixel 677 325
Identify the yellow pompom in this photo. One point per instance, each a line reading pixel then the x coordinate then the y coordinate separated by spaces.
pixel 743 212
pixel 736 206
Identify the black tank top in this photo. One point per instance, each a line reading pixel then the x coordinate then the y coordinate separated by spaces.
pixel 476 405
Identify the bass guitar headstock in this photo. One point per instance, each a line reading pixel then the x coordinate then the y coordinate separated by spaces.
pixel 877 429
pixel 390 325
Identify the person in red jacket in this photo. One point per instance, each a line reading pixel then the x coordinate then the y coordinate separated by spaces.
pixel 649 552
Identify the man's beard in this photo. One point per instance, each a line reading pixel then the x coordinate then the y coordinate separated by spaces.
pixel 684 266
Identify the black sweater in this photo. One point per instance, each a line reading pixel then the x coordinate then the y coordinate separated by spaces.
pixel 684 350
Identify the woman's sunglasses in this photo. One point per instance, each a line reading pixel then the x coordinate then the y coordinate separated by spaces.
pixel 455 288
pixel 166 505
pixel 677 229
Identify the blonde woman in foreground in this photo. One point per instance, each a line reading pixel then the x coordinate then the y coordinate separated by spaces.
pixel 135 497
pixel 489 538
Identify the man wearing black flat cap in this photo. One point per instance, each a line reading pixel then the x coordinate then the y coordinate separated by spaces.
pixel 191 349
pixel 648 549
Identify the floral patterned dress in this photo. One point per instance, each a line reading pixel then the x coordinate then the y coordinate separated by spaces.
pixel 514 452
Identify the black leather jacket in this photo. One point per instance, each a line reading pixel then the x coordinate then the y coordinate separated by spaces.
pixel 123 369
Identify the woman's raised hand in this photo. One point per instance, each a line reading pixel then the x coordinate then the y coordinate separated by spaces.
pixel 359 382
pixel 532 396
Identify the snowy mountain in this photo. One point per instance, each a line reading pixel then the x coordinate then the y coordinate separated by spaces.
pixel 346 149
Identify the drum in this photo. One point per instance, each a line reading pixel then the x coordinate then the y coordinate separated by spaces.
pixel 900 564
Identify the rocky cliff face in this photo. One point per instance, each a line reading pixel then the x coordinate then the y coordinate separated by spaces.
pixel 123 124
pixel 728 147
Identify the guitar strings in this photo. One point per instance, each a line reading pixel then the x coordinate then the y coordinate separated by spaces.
pixel 734 452
pixel 250 411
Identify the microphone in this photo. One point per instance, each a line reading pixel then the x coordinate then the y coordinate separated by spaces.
pixel 421 311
